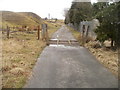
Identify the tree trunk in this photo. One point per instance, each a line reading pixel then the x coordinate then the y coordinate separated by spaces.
pixel 112 42
pixel 116 44
pixel 102 44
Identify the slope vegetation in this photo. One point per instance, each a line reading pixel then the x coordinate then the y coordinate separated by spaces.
pixel 20 18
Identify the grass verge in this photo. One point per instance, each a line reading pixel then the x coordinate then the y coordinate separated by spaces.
pixel 106 56
pixel 19 55
pixel 76 34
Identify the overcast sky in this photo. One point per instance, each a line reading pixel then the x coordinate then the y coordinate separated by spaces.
pixel 40 7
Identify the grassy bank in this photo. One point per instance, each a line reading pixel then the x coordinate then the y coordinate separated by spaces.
pixel 76 34
pixel 20 54
pixel 106 56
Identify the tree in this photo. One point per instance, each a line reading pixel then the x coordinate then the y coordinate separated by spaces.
pixel 99 7
pixel 66 14
pixel 107 13
pixel 118 25
pixel 78 12
pixel 108 28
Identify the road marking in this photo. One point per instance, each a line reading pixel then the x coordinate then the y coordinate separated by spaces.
pixel 69 42
pixel 57 42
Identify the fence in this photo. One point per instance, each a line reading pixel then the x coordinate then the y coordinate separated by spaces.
pixel 42 32
pixel 89 27
pixel 86 28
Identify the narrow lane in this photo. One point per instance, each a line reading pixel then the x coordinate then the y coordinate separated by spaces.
pixel 64 66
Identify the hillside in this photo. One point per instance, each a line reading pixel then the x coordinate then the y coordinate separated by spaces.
pixel 32 16
pixel 21 51
pixel 20 18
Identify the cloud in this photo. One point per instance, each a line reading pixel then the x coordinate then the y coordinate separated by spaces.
pixel 41 7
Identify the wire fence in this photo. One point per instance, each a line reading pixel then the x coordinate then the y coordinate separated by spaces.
pixel 86 29
pixel 41 30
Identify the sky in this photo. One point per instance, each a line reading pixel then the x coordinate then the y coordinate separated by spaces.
pixel 41 7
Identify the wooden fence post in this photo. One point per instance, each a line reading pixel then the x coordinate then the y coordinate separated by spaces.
pixel 8 32
pixel 87 32
pixel 86 36
pixel 83 37
pixel 38 31
pixel 47 38
pixel 43 31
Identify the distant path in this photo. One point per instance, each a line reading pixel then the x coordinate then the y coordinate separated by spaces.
pixel 69 67
pixel 63 34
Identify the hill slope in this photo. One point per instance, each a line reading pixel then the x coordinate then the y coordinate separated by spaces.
pixel 20 18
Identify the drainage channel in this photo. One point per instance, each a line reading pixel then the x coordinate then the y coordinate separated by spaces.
pixel 63 42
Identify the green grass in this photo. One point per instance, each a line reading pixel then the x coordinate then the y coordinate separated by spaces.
pixel 18 19
pixel 17 60
pixel 21 51
pixel 76 34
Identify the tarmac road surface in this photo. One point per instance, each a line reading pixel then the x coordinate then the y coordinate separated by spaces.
pixel 66 66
